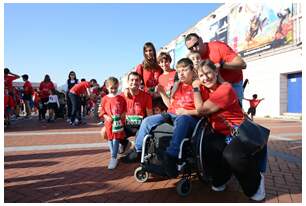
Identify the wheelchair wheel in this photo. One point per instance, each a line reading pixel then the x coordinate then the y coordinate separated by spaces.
pixel 141 175
pixel 183 187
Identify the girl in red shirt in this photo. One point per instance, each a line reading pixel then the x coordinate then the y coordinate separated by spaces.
pixel 225 155
pixel 113 109
pixel 44 91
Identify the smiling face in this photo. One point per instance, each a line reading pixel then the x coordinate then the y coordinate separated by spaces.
pixel 208 76
pixel 133 82
pixel 112 88
pixel 149 53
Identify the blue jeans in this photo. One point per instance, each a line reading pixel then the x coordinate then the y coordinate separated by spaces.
pixel 113 147
pixel 183 128
pixel 238 87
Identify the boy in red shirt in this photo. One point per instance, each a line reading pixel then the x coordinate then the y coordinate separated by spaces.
pixel 166 80
pixel 113 109
pixel 27 94
pixel 75 97
pixel 253 104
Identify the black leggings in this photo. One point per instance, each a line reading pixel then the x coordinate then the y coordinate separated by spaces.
pixel 222 160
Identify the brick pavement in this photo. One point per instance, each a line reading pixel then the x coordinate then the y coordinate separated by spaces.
pixel 81 174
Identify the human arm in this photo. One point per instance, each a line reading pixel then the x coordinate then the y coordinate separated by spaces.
pixel 160 89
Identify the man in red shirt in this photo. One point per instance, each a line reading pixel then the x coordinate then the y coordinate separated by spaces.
pixel 75 96
pixel 27 94
pixel 253 104
pixel 227 61
pixel 9 77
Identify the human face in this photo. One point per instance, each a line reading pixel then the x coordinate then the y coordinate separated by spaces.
pixel 195 58
pixel 112 88
pixel 193 44
pixel 72 75
pixel 164 64
pixel 185 74
pixel 208 77
pixel 149 53
pixel 134 82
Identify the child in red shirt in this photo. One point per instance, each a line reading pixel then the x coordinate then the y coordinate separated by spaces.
pixel 113 109
pixel 253 104
pixel 27 94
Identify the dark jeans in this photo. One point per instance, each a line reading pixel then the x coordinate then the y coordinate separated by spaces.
pixel 76 106
pixel 42 111
pixel 222 160
pixel 69 106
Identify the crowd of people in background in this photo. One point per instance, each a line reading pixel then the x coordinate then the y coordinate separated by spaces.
pixel 208 82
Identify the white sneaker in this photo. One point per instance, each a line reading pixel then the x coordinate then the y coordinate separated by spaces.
pixel 261 193
pixel 218 189
pixel 112 163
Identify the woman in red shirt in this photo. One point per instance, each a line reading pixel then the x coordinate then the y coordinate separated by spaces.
pixel 225 155
pixel 44 91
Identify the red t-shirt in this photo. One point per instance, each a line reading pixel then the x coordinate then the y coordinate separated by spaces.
pixel 27 88
pixel 254 102
pixel 113 106
pixel 167 81
pixel 45 88
pixel 182 98
pixel 80 88
pixel 150 77
pixel 8 82
pixel 226 99
pixel 219 51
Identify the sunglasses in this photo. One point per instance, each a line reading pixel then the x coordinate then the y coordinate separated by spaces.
pixel 194 46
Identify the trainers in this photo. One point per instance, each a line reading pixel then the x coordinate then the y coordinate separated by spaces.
pixel 132 156
pixel 261 193
pixel 112 164
pixel 125 148
pixel 219 189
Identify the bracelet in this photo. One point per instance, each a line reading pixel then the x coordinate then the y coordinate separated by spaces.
pixel 196 89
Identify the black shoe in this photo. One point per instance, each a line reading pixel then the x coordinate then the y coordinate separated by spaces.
pixel 169 165
pixel 132 156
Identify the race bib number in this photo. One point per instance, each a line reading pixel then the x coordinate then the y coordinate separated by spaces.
pixel 133 120
pixel 117 125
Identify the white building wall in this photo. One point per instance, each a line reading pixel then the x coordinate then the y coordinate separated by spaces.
pixel 268 79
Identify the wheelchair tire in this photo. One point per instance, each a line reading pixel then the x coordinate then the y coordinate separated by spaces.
pixel 141 175
pixel 183 187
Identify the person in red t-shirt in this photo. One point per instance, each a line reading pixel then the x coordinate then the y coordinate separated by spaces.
pixel 27 94
pixel 223 154
pixel 149 70
pixel 44 91
pixel 8 106
pixel 253 104
pixel 181 112
pixel 82 88
pixel 113 109
pixel 229 64
pixel 166 80
pixel 9 77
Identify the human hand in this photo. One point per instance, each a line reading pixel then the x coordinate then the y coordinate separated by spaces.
pixel 181 111
pixel 196 83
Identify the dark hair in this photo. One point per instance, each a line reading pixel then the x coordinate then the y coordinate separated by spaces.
pixel 254 96
pixel 53 91
pixel 184 62
pixel 152 64
pixel 83 80
pixel 6 71
pixel 93 81
pixel 208 63
pixel 164 55
pixel 188 37
pixel 134 74
pixel 72 72
pixel 47 78
pixel 25 77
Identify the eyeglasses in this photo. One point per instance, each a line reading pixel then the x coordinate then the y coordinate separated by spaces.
pixel 194 46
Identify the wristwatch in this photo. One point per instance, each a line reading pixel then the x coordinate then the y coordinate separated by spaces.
pixel 196 89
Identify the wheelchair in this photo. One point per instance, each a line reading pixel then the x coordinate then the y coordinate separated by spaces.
pixel 190 159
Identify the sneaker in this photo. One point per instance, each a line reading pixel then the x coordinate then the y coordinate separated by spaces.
pixel 112 164
pixel 219 189
pixel 169 165
pixel 100 124
pixel 123 149
pixel 68 120
pixel 132 156
pixel 261 193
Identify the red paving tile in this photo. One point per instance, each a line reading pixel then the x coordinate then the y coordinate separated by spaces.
pixel 81 175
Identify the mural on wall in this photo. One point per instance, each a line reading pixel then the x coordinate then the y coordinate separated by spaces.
pixel 259 26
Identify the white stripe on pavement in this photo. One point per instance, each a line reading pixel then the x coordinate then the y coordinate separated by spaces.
pixel 49 133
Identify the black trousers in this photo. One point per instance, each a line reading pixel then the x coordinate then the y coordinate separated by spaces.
pixel 69 106
pixel 76 106
pixel 42 111
pixel 224 160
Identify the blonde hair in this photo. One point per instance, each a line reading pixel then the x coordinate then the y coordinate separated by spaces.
pixel 111 80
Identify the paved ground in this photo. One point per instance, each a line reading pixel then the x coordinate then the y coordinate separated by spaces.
pixel 57 163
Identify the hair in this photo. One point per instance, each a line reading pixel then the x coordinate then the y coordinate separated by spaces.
pixel 134 74
pixel 47 78
pixel 150 64
pixel 254 96
pixel 25 77
pixel 53 91
pixel 188 37
pixel 71 72
pixel 93 81
pixel 193 52
pixel 112 80
pixel 83 80
pixel 164 55
pixel 210 64
pixel 6 71
pixel 185 62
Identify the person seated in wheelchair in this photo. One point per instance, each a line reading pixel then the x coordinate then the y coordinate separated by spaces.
pixel 223 154
pixel 181 111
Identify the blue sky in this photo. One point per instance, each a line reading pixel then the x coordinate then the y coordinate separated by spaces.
pixel 95 40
